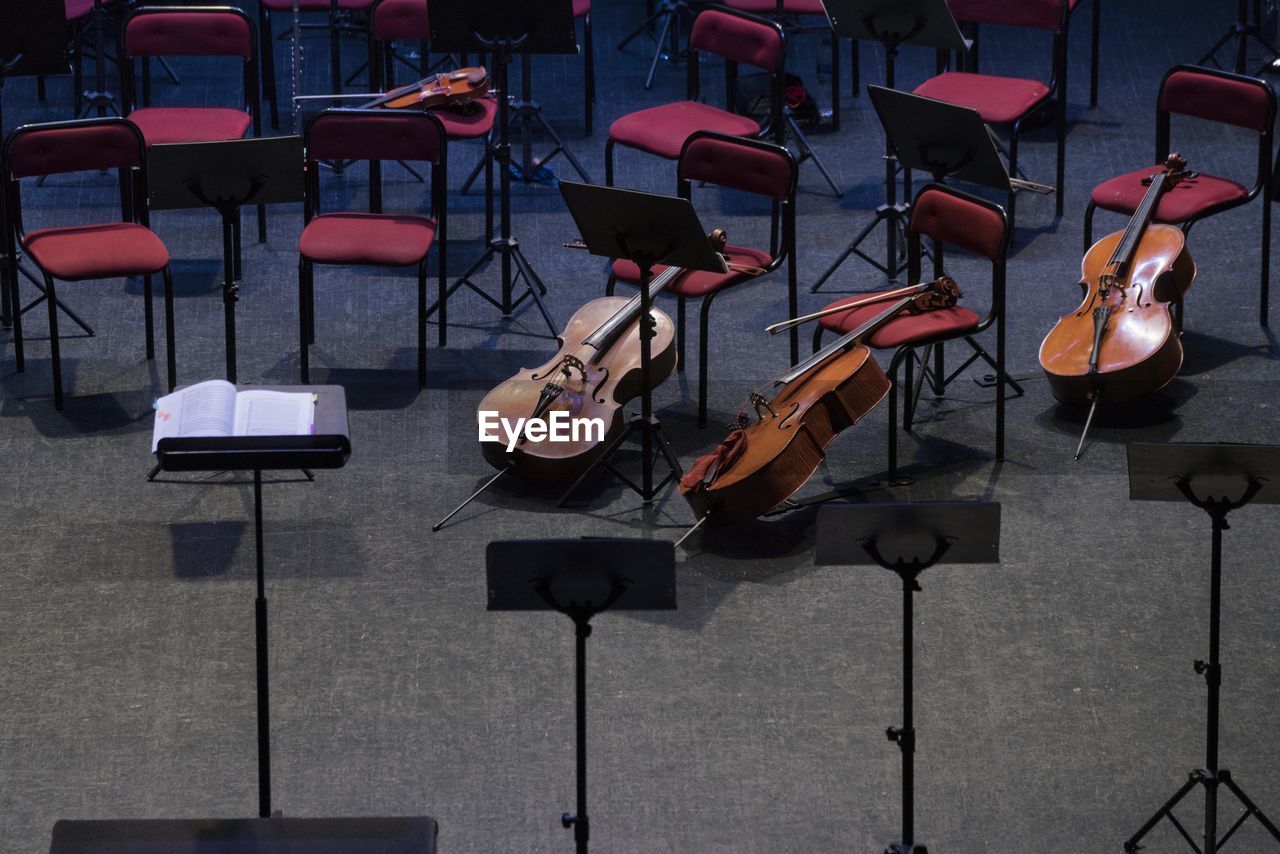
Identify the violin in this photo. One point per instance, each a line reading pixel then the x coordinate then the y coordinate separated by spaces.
pixel 447 89
pixel 759 466
pixel 594 374
pixel 1121 342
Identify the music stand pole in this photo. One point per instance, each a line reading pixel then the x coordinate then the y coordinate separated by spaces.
pixel 887 535
pixel 580 579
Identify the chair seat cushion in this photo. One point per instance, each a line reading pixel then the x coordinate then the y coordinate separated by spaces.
pixel 161 125
pixel 77 9
pixel 581 7
pixel 906 328
pixel 697 283
pixel 999 100
pixel 380 240
pixel 663 130
pixel 103 251
pixel 1186 200
pixel 469 122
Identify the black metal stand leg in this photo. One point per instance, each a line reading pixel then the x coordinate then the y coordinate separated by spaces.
pixel 578 821
pixel 260 643
pixel 905 736
pixel 230 290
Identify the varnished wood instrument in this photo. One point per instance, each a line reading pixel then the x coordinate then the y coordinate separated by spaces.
pixel 762 464
pixel 447 89
pixel 593 375
pixel 1121 342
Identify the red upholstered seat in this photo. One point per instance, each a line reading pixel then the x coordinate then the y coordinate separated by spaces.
pixel 906 328
pixel 663 130
pixel 160 125
pixel 103 251
pixel 1185 201
pixel 999 100
pixel 697 283
pixel 475 120
pixel 384 240
pixel 77 9
pixel 581 7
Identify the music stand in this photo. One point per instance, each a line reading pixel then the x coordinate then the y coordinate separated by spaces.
pixel 580 579
pixel 907 539
pixel 416 835
pixel 892 23
pixel 225 176
pixel 1246 26
pixel 33 42
pixel 1217 478
pixel 328 447
pixel 503 28
pixel 647 229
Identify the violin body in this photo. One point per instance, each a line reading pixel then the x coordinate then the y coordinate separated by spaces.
pixel 1139 351
pixel 787 444
pixel 599 388
pixel 447 89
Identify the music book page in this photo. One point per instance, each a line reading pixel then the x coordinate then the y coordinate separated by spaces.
pixel 215 408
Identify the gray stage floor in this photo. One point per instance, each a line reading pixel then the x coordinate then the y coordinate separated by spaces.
pixel 1057 703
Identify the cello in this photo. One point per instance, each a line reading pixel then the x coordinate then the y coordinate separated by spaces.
pixel 759 466
pixel 1122 342
pixel 592 376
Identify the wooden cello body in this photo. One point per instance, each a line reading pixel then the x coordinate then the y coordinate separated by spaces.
pixel 1122 341
pixel 761 465
pixel 590 387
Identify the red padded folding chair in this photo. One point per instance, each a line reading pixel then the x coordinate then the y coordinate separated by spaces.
pixel 740 39
pixel 372 239
pixel 154 32
pixel 77 253
pixel 944 216
pixel 751 166
pixel 1216 96
pixel 1012 100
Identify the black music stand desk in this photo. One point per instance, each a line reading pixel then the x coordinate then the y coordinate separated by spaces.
pixel 1217 478
pixel 580 579
pixel 892 23
pixel 648 229
pixel 225 176
pixel 328 447
pixel 907 539
pixel 416 835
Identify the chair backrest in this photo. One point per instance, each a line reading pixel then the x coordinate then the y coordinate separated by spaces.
pixel 750 165
pixel 400 19
pixel 1038 14
pixel 1218 96
pixel 739 37
pixel 190 31
pixel 75 146
pixel 82 145
pixel 955 218
pixel 375 135
pixel 958 219
pixel 349 134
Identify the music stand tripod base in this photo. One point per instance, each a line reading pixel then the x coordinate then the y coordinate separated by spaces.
pixel 503 28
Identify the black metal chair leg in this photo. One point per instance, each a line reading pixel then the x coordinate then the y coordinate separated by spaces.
pixel 422 322
pixel 171 350
pixel 55 353
pixel 148 316
pixel 304 331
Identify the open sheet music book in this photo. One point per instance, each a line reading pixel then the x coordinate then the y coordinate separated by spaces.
pixel 215 408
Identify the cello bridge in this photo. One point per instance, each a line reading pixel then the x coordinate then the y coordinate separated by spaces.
pixel 761 405
pixel 571 364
